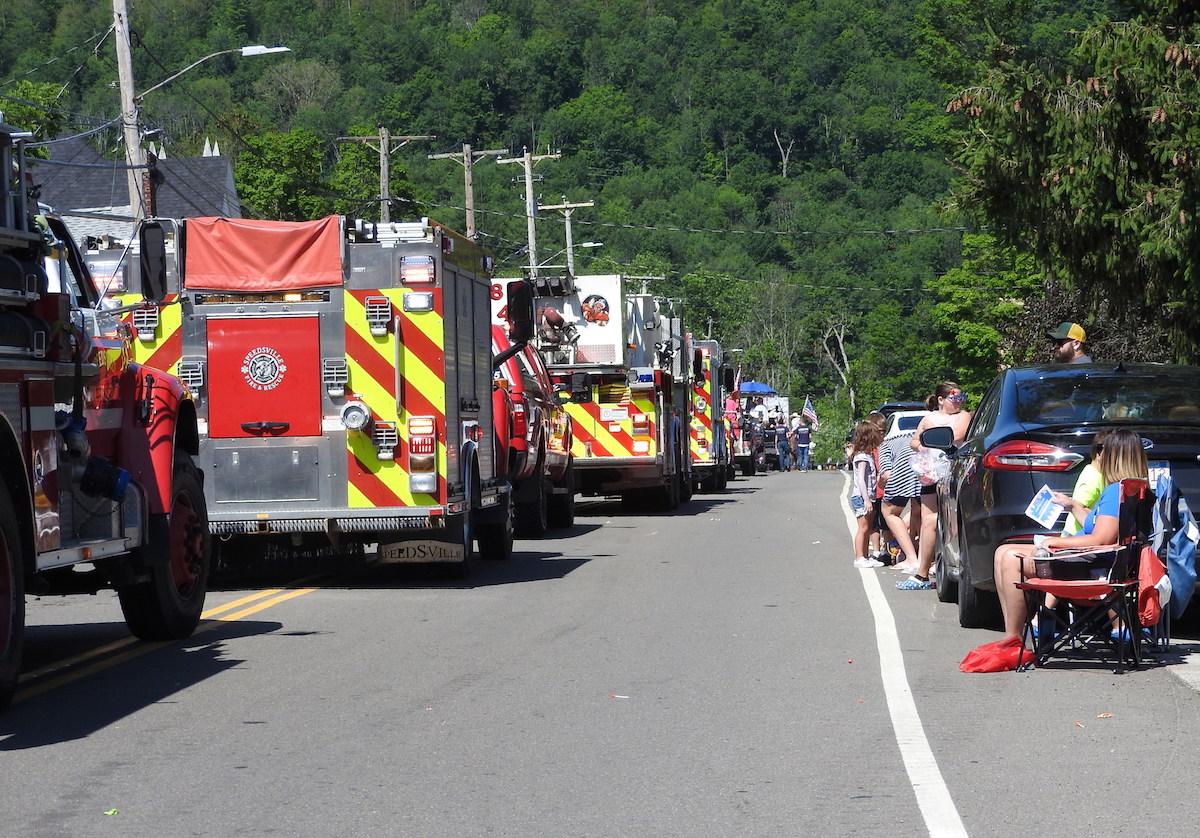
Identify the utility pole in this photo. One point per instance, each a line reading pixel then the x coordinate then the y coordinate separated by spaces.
pixel 467 158
pixel 385 149
pixel 530 206
pixel 566 208
pixel 135 156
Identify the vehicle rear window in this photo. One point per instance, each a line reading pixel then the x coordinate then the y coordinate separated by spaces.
pixel 1110 398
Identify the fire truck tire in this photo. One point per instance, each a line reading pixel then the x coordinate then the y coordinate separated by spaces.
pixel 532 514
pixel 167 606
pixel 687 483
pixel 722 477
pixel 561 507
pixel 496 537
pixel 748 467
pixel 462 528
pixel 12 599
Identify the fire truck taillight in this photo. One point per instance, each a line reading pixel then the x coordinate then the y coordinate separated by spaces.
pixel 417 270
pixel 355 415
pixel 145 323
pixel 422 454
pixel 641 424
pixel 335 375
pixel 386 440
pixel 378 314
pixel 418 301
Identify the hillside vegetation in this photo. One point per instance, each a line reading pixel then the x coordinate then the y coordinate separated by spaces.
pixel 785 167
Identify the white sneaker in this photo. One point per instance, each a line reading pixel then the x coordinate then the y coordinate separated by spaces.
pixel 863 561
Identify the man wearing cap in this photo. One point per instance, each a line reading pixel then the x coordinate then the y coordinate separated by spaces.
pixel 1068 344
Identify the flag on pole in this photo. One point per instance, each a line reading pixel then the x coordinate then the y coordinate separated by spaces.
pixel 737 382
pixel 810 413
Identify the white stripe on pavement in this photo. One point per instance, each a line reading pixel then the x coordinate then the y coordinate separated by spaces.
pixel 933 798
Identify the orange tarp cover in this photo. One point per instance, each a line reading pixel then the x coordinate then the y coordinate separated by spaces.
pixel 239 254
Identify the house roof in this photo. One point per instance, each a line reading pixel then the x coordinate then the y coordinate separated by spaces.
pixel 77 178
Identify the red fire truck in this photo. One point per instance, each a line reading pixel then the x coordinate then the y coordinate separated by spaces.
pixel 343 373
pixel 98 487
pixel 619 358
pixel 711 441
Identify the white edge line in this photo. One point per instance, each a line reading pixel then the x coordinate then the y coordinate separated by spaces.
pixel 933 797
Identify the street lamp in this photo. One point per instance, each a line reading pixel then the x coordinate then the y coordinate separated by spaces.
pixel 570 254
pixel 135 155
pixel 254 49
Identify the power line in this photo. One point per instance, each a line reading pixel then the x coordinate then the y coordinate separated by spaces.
pixel 733 231
pixel 101 35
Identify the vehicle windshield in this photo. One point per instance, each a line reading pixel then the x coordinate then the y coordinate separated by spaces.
pixel 1158 397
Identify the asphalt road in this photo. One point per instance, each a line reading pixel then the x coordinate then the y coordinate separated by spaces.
pixel 720 671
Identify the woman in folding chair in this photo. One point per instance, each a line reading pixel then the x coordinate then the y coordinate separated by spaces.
pixel 1120 456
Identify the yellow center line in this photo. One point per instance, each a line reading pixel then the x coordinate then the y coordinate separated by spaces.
pixel 100 656
pixel 246 612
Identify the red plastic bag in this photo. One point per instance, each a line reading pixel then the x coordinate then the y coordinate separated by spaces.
pixel 998 656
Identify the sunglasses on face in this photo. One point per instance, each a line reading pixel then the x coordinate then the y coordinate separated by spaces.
pixel 958 398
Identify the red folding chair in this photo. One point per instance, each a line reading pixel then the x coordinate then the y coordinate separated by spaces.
pixel 1097 607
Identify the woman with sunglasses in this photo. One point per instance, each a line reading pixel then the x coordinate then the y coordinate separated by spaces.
pixel 945 406
pixel 1121 455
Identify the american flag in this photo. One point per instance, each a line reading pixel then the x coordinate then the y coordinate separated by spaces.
pixel 810 413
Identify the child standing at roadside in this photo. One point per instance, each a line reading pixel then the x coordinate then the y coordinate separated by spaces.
pixel 862 460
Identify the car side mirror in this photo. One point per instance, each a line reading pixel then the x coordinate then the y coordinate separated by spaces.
pixel 152 239
pixel 727 378
pixel 698 366
pixel 520 311
pixel 940 438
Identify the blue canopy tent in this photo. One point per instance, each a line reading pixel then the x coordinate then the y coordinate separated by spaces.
pixel 756 388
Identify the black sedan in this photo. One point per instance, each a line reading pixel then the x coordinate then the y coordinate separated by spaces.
pixel 1034 428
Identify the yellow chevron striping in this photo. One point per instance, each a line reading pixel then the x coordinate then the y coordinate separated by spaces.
pixel 376 395
pixel 604 438
pixel 415 369
pixel 170 320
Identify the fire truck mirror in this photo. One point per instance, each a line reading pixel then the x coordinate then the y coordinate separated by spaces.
pixel 581 387
pixel 698 366
pixel 727 378
pixel 153 261
pixel 520 311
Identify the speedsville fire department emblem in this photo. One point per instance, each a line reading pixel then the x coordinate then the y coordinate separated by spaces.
pixel 263 368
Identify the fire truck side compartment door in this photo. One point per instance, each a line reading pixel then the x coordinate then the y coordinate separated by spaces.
pixel 265 376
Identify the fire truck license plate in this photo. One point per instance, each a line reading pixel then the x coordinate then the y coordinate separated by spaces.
pixel 421 551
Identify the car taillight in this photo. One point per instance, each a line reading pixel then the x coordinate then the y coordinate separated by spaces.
pixel 1027 455
pixel 520 417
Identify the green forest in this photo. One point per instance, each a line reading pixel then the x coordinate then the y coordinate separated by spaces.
pixel 865 196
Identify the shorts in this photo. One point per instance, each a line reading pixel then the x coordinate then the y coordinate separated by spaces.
pixel 929 490
pixel 899 501
pixel 860 508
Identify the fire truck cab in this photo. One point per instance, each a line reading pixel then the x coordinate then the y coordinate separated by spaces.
pixel 344 381
pixel 618 358
pixel 98 487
